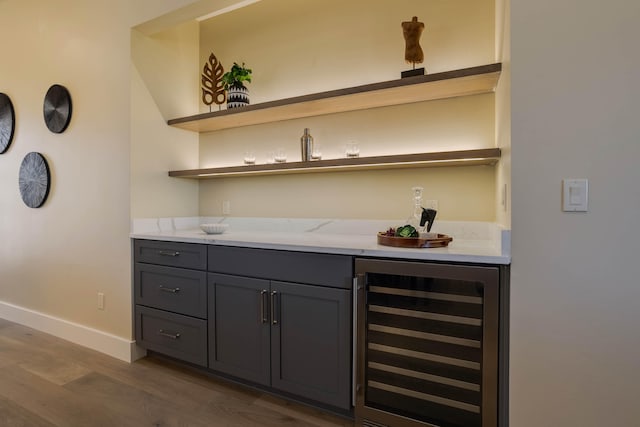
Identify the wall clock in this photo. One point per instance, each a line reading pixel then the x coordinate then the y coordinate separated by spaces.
pixel 57 108
pixel 7 122
pixel 34 180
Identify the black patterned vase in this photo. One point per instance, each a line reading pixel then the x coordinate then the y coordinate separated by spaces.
pixel 237 96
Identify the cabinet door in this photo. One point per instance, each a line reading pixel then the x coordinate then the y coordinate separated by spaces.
pixel 310 342
pixel 239 327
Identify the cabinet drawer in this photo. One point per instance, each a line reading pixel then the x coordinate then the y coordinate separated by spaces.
pixel 173 254
pixel 175 335
pixel 173 289
pixel 300 267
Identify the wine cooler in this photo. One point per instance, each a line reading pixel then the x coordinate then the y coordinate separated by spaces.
pixel 427 344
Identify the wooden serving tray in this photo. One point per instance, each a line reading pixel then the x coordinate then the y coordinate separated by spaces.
pixel 414 242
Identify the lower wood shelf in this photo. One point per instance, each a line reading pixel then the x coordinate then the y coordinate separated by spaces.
pixel 486 156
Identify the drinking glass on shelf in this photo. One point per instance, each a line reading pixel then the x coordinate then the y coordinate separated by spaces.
pixel 249 158
pixel 280 156
pixel 316 153
pixel 353 149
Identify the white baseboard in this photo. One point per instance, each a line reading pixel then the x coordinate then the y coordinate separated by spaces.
pixel 94 339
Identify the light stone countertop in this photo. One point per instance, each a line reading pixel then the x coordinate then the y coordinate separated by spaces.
pixel 473 242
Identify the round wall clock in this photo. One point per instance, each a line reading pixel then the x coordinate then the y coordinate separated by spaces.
pixel 34 180
pixel 7 122
pixel 57 108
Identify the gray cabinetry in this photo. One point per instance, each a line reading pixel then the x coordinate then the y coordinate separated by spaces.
pixel 173 254
pixel 294 337
pixel 170 294
pixel 175 335
pixel 278 319
pixel 300 267
pixel 172 289
pixel 239 335
pixel 310 342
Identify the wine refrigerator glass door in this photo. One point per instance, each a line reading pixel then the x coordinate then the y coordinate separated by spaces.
pixel 427 344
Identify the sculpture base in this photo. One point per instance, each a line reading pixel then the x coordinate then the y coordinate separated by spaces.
pixel 412 73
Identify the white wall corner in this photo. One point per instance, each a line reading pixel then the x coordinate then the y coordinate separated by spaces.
pixel 103 342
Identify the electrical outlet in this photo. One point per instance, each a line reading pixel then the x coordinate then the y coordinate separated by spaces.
pixel 226 207
pixel 431 204
pixel 100 301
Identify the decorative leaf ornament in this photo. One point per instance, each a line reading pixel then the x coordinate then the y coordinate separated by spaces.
pixel 212 85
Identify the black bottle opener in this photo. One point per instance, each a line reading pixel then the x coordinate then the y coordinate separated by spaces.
pixel 428 215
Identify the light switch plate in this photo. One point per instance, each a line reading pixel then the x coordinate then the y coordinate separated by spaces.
pixel 575 195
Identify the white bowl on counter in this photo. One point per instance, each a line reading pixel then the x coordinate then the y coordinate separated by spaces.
pixel 214 228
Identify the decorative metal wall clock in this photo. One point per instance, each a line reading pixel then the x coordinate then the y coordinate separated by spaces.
pixel 57 108
pixel 34 180
pixel 7 122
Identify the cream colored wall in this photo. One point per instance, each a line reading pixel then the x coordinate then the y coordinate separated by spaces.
pixel 54 260
pixel 503 114
pixel 297 48
pixel 462 193
pixel 375 195
pixel 575 293
pixel 163 66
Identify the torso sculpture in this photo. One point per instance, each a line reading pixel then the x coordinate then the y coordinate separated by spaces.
pixel 412 30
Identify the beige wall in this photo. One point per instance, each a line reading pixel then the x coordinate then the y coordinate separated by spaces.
pixel 54 260
pixel 503 115
pixel 300 47
pixel 575 288
pixel 162 70
pixel 297 48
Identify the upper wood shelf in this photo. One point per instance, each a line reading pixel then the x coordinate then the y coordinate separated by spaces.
pixel 449 84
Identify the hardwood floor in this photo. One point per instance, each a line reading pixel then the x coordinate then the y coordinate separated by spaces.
pixel 46 382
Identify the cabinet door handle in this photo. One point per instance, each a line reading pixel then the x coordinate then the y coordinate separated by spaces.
pixel 273 307
pixel 172 290
pixel 263 304
pixel 169 335
pixel 169 253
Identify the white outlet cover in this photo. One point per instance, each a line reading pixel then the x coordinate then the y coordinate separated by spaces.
pixel 226 207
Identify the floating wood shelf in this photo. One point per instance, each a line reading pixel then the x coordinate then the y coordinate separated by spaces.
pixel 487 156
pixel 449 84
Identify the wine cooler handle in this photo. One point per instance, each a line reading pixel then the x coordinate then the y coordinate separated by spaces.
pixel 358 336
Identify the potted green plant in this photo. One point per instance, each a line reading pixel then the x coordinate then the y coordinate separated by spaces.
pixel 237 92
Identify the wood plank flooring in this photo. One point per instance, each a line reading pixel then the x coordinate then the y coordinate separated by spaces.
pixel 49 382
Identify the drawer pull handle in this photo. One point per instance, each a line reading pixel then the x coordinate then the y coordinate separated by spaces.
pixel 169 335
pixel 172 290
pixel 169 253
